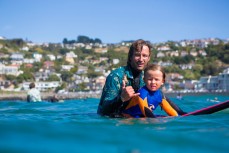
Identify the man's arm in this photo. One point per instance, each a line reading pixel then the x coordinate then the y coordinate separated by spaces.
pixel 110 100
pixel 115 92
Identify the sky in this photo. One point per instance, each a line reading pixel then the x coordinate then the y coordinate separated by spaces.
pixel 113 21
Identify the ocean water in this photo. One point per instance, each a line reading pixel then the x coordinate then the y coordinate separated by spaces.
pixel 74 126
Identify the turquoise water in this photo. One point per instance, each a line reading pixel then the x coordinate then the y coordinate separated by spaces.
pixel 74 126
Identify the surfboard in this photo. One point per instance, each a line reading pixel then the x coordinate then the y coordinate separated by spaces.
pixel 210 109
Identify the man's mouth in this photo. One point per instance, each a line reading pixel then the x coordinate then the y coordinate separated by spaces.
pixel 140 64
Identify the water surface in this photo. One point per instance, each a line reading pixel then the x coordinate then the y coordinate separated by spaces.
pixel 74 126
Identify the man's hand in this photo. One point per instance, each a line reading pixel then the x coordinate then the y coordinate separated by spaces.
pixel 127 92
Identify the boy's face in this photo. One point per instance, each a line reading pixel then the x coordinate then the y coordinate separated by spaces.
pixel 139 60
pixel 153 79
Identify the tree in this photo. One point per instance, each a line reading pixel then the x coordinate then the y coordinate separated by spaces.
pixel 83 39
pixel 172 69
pixel 63 86
pixel 87 40
pixel 88 51
pixel 37 66
pixel 63 51
pixel 91 72
pixel 97 40
pixel 19 42
pixel 53 77
pixel 39 50
pixel 66 76
pixel 10 77
pixel 197 67
pixel 82 86
pixel 189 75
pixel 211 69
pixel 74 69
pixel 58 63
pixel 172 45
pixel 26 76
pixel 65 41
pixel 183 60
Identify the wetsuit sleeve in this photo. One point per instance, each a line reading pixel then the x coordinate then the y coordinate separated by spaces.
pixel 165 105
pixel 174 106
pixel 110 101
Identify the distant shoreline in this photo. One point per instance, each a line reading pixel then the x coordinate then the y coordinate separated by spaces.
pixel 46 96
pixel 169 94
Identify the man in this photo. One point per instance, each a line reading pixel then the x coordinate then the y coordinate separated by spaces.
pixel 33 94
pixel 123 83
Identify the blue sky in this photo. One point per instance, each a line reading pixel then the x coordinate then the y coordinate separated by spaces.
pixel 113 21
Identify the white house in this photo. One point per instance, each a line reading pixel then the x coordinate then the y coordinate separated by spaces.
pixel 164 64
pixel 99 83
pixel 79 44
pixel 25 48
pixel 160 54
pixel 59 57
pixel 81 79
pixel 71 54
pixel 82 70
pixel 12 70
pixel 186 66
pixel 67 67
pixel 17 56
pixel 202 53
pixel 164 48
pixel 15 62
pixel 51 57
pixel 223 80
pixel 29 60
pixel 70 57
pixel 37 57
pixel 193 53
pixel 183 53
pixel 41 76
pixel 42 86
pixel 183 44
pixel 2 55
pixel 103 59
pixel 215 83
pixel 115 61
pixel 174 53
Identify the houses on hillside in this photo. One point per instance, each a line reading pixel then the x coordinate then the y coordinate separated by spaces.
pixel 16 59
pixel 80 79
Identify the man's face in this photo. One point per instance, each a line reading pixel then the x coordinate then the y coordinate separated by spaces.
pixel 139 60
